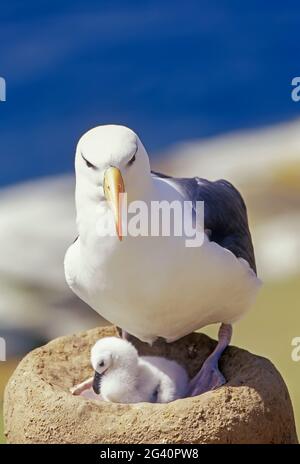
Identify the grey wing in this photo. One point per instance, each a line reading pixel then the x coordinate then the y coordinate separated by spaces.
pixel 225 213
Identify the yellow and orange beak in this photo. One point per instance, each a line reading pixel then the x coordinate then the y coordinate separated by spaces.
pixel 113 186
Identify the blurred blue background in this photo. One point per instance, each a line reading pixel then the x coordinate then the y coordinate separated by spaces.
pixel 171 70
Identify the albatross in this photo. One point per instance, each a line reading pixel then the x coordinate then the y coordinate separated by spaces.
pixel 155 286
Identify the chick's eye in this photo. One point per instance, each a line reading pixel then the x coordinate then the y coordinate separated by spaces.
pixel 89 165
pixel 101 364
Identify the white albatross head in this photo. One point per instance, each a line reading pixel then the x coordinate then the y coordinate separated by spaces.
pixel 110 354
pixel 110 160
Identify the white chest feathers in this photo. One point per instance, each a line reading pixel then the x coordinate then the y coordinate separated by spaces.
pixel 124 377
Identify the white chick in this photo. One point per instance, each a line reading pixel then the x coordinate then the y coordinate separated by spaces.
pixel 121 376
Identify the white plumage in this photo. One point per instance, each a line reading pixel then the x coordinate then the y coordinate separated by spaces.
pixel 124 377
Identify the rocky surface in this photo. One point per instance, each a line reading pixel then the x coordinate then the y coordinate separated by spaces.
pixel 253 407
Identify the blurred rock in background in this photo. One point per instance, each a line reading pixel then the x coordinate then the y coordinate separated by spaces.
pixel 37 226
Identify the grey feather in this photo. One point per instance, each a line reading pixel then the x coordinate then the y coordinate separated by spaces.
pixel 225 213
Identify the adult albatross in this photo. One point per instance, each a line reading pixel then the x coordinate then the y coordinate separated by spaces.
pixel 156 286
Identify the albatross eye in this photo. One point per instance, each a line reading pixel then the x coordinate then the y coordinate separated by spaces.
pixel 89 165
pixel 101 364
pixel 131 161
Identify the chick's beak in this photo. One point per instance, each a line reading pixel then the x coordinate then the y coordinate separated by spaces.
pixel 113 186
pixel 96 382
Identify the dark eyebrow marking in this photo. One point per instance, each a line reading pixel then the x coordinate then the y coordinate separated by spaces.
pixel 132 160
pixel 90 165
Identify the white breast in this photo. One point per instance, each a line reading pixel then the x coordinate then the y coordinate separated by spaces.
pixel 157 287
